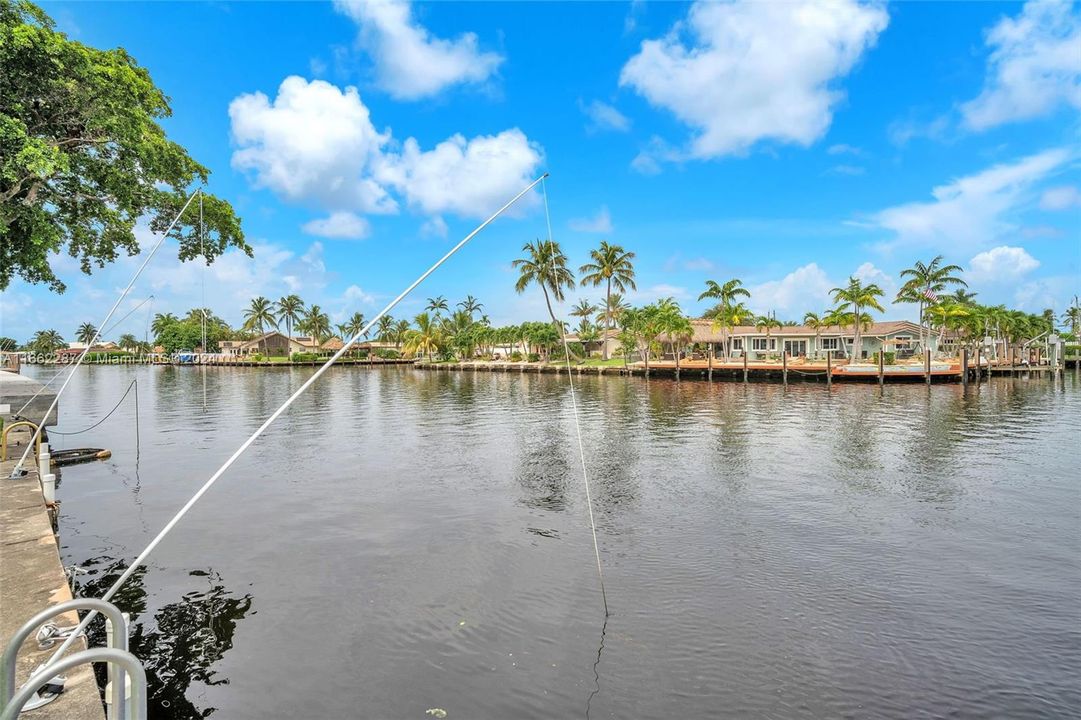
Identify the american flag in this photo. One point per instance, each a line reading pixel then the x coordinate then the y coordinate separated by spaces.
pixel 930 295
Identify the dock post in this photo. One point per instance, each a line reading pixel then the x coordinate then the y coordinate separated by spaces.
pixel 829 369
pixel 881 368
pixel 964 366
pixel 979 366
pixel 709 358
pixel 744 366
pixel 1013 359
pixel 927 365
pixel 784 366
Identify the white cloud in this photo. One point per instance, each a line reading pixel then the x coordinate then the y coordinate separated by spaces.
pixel 355 294
pixel 868 273
pixel 316 144
pixel 339 225
pixel 747 71
pixel 1034 67
pixel 699 264
pixel 311 144
pixel 971 210
pixel 805 288
pixel 435 227
pixel 410 62
pixel 1061 198
pixel 1000 264
pixel 603 116
pixel 469 178
pixel 601 223
pixel 844 149
pixel 847 170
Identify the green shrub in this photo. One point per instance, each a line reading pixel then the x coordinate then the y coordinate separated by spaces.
pixel 516 356
pixel 387 354
pixel 303 357
pixel 258 357
pixel 534 357
pixel 1073 350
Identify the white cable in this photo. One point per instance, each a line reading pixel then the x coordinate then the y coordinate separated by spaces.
pixel 97 334
pixel 577 423
pixel 270 420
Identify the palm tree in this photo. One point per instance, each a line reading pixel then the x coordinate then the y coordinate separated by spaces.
pixel 1072 318
pixel 613 266
pixel 400 333
pixel 946 315
pixel 470 305
pixel 813 321
pixel 436 304
pixel 546 265
pixel 840 318
pixel 963 297
pixel 46 341
pixel 353 325
pixel 162 322
pixel 385 329
pixel 584 309
pixel 86 333
pixel 672 322
pixel 855 297
pixel 767 323
pixel 259 315
pixel 426 338
pixel 725 295
pixel 128 341
pixel 925 282
pixel 316 324
pixel 613 307
pixel 290 310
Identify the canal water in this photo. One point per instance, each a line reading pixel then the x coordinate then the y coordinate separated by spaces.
pixel 404 541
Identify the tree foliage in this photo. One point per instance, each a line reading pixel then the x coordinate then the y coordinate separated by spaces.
pixel 83 157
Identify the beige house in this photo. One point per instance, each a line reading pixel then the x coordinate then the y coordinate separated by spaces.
pixel 272 343
pixel 899 336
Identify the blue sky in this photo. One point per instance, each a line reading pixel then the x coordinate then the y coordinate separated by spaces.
pixel 790 145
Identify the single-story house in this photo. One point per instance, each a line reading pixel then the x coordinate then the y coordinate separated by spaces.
pixel 275 343
pixel 605 338
pixel 899 336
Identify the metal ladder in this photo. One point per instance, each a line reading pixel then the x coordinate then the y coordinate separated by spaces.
pixel 121 663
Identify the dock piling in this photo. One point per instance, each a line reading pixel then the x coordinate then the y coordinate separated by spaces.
pixel 710 356
pixel 964 366
pixel 881 368
pixel 744 366
pixel 829 369
pixel 927 365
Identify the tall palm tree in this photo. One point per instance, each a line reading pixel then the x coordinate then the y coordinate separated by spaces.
pixel 290 310
pixel 86 333
pixel 946 315
pixel 840 318
pixel 858 298
pixel 963 297
pixel 161 322
pixel 725 295
pixel 400 333
pixel 127 341
pixel 316 324
pixel 436 304
pixel 384 329
pixel 470 305
pixel 584 309
pixel 925 282
pixel 813 321
pixel 614 305
pixel 353 325
pixel 426 338
pixel 546 266
pixel 767 323
pixel 1072 318
pixel 613 266
pixel 260 314
pixel 46 341
pixel 675 325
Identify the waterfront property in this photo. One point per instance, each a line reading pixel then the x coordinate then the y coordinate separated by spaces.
pixel 900 337
pixel 278 344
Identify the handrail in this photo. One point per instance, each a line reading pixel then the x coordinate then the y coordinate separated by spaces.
pixel 125 660
pixel 11 652
pixel 7 429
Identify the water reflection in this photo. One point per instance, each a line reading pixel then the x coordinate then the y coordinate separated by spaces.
pixel 181 645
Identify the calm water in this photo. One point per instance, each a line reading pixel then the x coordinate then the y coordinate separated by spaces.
pixel 404 540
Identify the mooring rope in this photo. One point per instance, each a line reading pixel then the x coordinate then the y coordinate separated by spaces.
pixel 116 324
pixel 133 384
pixel 138 561
pixel 577 422
pixel 202 299
pixel 97 334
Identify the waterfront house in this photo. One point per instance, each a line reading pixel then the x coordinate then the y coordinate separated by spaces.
pixel 898 336
pixel 272 343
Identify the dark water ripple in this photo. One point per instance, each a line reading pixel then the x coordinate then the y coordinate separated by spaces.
pixel 403 540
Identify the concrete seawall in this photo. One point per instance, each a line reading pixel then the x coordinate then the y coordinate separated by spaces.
pixel 32 575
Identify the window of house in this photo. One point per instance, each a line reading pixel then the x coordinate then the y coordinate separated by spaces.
pixel 830 344
pixel 760 343
pixel 737 343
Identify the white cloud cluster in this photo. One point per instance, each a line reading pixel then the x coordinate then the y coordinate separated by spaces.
pixel 1061 198
pixel 805 288
pixel 315 144
pixel 972 210
pixel 410 62
pixel 345 225
pixel 1034 67
pixel 1000 264
pixel 746 71
pixel 601 223
pixel 603 116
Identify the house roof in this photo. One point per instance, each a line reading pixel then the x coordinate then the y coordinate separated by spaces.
pixel 704 330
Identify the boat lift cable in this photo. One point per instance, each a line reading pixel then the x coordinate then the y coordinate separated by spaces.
pixel 133 384
pixel 116 324
pixel 138 561
pixel 577 422
pixel 17 470
pixel 202 300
